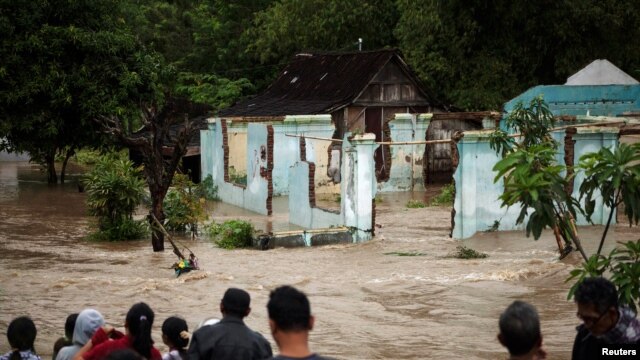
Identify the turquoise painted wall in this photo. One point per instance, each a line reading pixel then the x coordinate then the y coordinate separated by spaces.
pixel 406 160
pixel 596 100
pixel 477 205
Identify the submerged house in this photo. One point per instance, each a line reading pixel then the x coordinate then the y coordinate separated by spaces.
pixel 360 91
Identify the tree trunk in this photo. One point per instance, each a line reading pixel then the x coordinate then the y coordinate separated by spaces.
pixel 52 176
pixel 157 237
pixel 68 155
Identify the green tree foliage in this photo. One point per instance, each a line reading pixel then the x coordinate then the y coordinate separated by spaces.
pixel 204 40
pixel 532 177
pixel 291 26
pixel 615 176
pixel 478 54
pixel 232 234
pixel 183 207
pixel 63 64
pixel 623 266
pixel 114 189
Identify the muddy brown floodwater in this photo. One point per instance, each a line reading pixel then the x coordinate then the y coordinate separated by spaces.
pixel 368 302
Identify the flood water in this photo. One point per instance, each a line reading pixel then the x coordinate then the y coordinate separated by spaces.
pixel 369 303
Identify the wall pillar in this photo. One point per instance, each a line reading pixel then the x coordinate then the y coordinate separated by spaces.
pixel 359 185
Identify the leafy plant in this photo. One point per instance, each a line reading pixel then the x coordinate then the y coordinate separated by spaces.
pixel 463 252
pixel 127 229
pixel 415 204
pixel 237 177
pixel 623 263
pixel 207 189
pixel 232 234
pixel 614 175
pixel 446 196
pixel 183 208
pixel 494 227
pixel 114 190
pixel 532 177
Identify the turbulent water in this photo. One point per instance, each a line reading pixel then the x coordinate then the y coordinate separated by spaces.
pixel 369 302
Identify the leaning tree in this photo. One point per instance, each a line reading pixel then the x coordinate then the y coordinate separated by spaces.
pixel 162 142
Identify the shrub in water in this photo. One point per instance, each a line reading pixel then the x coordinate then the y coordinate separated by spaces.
pixel 445 198
pixel 415 204
pixel 114 189
pixel 232 234
pixel 183 207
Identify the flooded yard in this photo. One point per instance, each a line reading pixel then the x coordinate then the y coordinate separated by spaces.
pixel 369 302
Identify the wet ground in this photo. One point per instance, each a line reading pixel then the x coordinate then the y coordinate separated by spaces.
pixel 369 302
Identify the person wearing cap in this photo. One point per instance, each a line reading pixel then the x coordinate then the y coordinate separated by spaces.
pixel 230 338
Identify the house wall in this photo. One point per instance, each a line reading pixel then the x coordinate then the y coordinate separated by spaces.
pixel 241 154
pixel 357 192
pixel 256 195
pixel 594 100
pixel 476 204
pixel 407 159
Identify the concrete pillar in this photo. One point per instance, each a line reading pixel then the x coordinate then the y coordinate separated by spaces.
pixel 359 184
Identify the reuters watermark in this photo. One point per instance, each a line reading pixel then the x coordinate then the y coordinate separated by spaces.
pixel 619 352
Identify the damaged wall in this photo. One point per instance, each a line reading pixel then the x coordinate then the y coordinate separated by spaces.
pixel 358 190
pixel 257 194
pixel 477 206
pixel 406 159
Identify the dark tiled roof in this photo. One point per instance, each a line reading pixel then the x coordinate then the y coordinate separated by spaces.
pixel 318 83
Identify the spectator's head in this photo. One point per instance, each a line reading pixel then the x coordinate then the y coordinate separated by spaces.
pixel 597 301
pixel 235 302
pixel 138 323
pixel 520 329
pixel 21 334
pixel 175 332
pixel 89 320
pixel 289 310
pixel 69 325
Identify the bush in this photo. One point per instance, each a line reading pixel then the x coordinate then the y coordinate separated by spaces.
pixel 128 229
pixel 183 208
pixel 207 189
pixel 446 196
pixel 114 190
pixel 415 204
pixel 463 252
pixel 232 234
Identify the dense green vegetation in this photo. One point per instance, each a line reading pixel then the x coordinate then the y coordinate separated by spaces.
pixel 114 189
pixel 67 62
pixel 231 234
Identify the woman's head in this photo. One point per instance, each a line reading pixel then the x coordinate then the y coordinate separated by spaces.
pixel 22 333
pixel 139 321
pixel 175 332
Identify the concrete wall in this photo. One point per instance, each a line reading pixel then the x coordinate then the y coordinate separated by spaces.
pixel 595 100
pixel 357 192
pixel 256 195
pixel 287 150
pixel 477 206
pixel 407 160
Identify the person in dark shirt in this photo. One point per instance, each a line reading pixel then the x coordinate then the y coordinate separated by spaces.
pixel 290 321
pixel 604 322
pixel 520 332
pixel 230 339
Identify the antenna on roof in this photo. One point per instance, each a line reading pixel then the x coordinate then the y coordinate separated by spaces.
pixel 359 44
